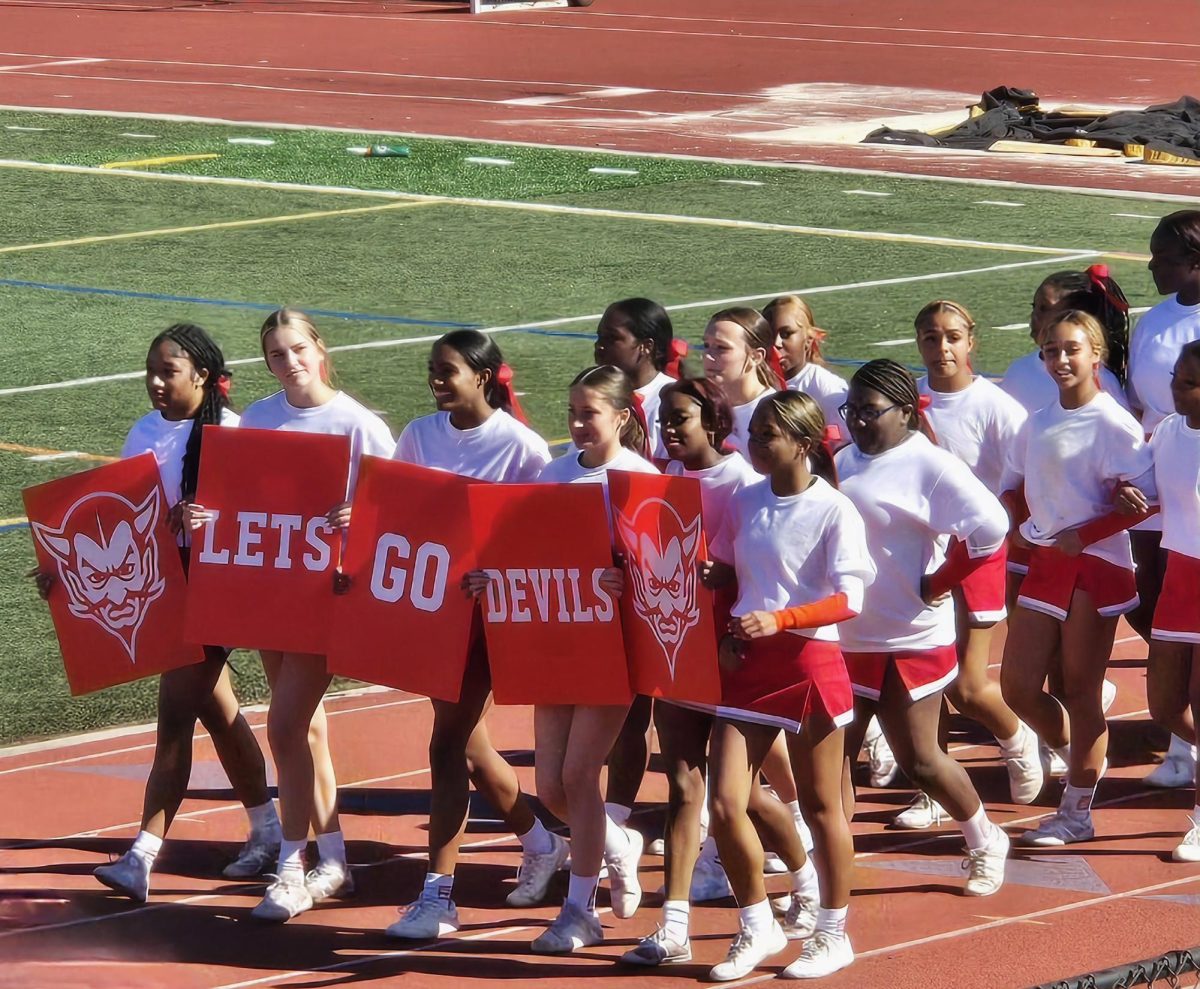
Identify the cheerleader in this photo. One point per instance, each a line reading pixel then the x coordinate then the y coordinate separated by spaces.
pixel 571 741
pixel 297 356
pixel 798 340
pixel 740 357
pixel 799 551
pixel 1175 267
pixel 1173 671
pixel 694 420
pixel 479 432
pixel 188 386
pixel 975 421
pixel 900 650
pixel 1070 456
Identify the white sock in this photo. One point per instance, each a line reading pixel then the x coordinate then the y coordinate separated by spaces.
pixel 1011 747
pixel 615 838
pixel 537 840
pixel 331 847
pixel 676 914
pixel 1077 800
pixel 146 846
pixel 757 918
pixel 804 880
pixel 1181 748
pixel 437 887
pixel 291 860
pixel 832 921
pixel 263 819
pixel 619 813
pixel 581 891
pixel 977 830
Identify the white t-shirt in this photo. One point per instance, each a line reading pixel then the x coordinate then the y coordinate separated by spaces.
pixel 827 389
pixel 568 470
pixel 1153 350
pixel 976 424
pixel 718 484
pixel 340 416
pixel 796 549
pixel 1070 461
pixel 1028 381
pixel 1176 449
pixel 910 498
pixel 739 437
pixel 501 448
pixel 650 401
pixel 168 441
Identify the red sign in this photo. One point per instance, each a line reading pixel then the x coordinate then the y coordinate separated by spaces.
pixel 404 620
pixel 553 632
pixel 666 613
pixel 119 587
pixel 262 572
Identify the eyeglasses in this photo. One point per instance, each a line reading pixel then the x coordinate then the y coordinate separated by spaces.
pixel 848 412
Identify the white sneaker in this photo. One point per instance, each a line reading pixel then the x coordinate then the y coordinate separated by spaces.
pixel 426 918
pixel 1188 850
pixel 624 890
pixel 282 901
pixel 709 881
pixel 882 767
pixel 571 929
pixel 1052 763
pixel 1060 829
pixel 985 866
pixel 800 917
pixel 329 881
pixel 747 952
pixel 658 949
pixel 923 812
pixel 1178 767
pixel 1108 695
pixel 1025 777
pixel 773 865
pixel 657 847
pixel 537 872
pixel 257 857
pixel 824 953
pixel 129 875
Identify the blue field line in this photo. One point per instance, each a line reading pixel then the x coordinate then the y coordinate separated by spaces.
pixel 13 528
pixel 232 304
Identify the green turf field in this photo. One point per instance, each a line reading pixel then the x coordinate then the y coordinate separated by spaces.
pixel 94 262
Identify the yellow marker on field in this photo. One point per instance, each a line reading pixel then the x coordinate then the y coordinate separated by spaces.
pixel 169 160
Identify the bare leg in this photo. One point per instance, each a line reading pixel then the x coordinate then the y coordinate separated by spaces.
pixel 630 754
pixel 1030 652
pixel 973 692
pixel 1087 641
pixel 818 755
pixel 683 738
pixel 1169 672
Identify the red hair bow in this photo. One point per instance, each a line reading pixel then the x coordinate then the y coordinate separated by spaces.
pixel 224 383
pixel 508 396
pixel 1098 276
pixel 776 366
pixel 676 352
pixel 923 404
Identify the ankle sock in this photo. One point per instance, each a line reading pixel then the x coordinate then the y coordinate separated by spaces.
pixel 804 880
pixel 676 915
pixel 581 891
pixel 291 860
pixel 437 887
pixel 977 830
pixel 146 846
pixel 757 918
pixel 537 840
pixel 331 847
pixel 264 820
pixel 832 920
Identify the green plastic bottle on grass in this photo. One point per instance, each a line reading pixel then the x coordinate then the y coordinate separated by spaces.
pixel 380 151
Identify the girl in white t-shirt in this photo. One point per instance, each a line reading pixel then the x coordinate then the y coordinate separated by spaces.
pixel 900 651
pixel 1070 457
pixel 977 422
pixel 740 356
pixel 694 420
pixel 798 340
pixel 297 356
pixel 188 386
pixel 798 549
pixel 479 432
pixel 571 742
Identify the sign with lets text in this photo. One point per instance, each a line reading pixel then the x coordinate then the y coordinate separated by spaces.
pixel 262 572
pixel 403 620
pixel 118 585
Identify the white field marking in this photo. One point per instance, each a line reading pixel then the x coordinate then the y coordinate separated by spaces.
pixel 589 318
pixel 1012 326
pixel 27 129
pixel 996 202
pixel 136 911
pixel 475 160
pixel 560 208
pixel 607 93
pixel 264 142
pixel 900 342
pixel 1137 216
pixel 786 166
pixel 601 170
pixel 147 137
pixel 64 455
pixel 739 182
pixel 863 192
pixel 44 65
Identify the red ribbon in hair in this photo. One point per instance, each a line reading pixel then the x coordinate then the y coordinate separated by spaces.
pixel 639 413
pixel 923 404
pixel 816 335
pixel 776 366
pixel 830 439
pixel 508 397
pixel 1098 276
pixel 676 352
pixel 224 383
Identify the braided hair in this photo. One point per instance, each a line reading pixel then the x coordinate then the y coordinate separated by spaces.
pixel 895 382
pixel 205 356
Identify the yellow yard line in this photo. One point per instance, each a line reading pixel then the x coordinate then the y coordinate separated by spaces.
pixel 38 451
pixel 19 520
pixel 150 162
pixel 225 225
pixel 1121 256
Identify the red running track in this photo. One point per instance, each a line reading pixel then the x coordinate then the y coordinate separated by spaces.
pixel 700 77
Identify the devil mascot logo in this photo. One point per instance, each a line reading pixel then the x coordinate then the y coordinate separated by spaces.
pixel 662 551
pixel 107 558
